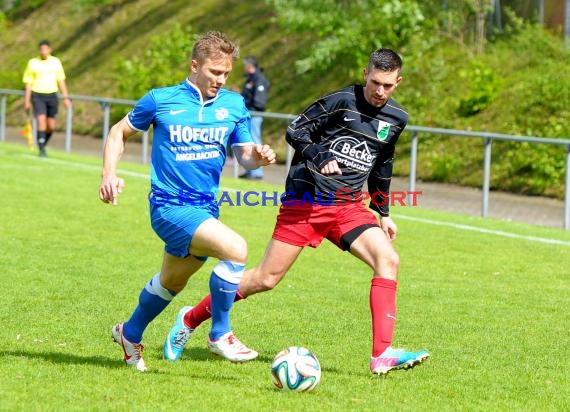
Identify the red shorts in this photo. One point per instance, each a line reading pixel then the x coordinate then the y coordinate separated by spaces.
pixel 308 225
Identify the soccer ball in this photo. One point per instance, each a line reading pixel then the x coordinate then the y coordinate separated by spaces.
pixel 296 369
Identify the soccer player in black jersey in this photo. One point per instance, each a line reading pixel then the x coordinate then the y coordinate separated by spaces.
pixel 341 141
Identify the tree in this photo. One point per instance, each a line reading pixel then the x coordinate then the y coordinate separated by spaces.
pixel 480 31
pixel 466 21
pixel 157 66
pixel 347 31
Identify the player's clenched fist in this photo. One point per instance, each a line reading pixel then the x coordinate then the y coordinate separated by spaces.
pixel 110 188
pixel 264 155
pixel 331 168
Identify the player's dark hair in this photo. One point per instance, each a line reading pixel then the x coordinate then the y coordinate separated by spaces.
pixel 44 43
pixel 250 60
pixel 386 60
pixel 213 44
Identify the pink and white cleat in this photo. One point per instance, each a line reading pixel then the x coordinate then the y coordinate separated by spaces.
pixel 396 359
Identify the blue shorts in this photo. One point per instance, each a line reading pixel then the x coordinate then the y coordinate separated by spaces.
pixel 176 225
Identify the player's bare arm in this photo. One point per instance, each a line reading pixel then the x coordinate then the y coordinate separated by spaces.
pixel 111 185
pixel 255 155
pixel 27 98
pixel 65 93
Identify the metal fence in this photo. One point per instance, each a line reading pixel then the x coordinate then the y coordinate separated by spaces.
pixel 488 139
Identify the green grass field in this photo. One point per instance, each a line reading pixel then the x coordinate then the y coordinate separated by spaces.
pixel 494 311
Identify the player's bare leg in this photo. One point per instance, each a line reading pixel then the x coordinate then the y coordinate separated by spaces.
pixel 278 259
pixel 50 128
pixel 376 250
pixel 176 271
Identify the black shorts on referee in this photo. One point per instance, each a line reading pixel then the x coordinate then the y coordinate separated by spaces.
pixel 45 103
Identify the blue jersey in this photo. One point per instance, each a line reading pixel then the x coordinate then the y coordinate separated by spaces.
pixel 190 138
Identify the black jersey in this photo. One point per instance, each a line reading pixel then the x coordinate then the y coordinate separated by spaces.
pixel 255 91
pixel 344 126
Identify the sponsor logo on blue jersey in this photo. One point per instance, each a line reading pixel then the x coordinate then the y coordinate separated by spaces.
pixel 187 134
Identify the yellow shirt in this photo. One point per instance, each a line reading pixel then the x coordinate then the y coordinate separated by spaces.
pixel 43 75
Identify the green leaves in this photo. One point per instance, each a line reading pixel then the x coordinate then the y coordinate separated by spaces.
pixel 163 63
pixel 482 85
pixel 347 31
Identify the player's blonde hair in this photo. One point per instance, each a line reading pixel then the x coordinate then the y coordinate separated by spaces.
pixel 214 44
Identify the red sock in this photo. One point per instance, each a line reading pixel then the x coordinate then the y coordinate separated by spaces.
pixel 383 310
pixel 202 312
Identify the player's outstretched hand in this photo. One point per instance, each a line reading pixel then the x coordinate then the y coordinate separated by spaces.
pixel 264 155
pixel 331 168
pixel 110 188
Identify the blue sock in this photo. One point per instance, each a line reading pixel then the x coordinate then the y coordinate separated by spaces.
pixel 152 301
pixel 224 282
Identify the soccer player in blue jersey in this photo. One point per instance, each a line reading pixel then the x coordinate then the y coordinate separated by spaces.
pixel 193 122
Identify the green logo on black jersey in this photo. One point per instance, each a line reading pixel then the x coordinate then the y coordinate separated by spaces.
pixel 383 130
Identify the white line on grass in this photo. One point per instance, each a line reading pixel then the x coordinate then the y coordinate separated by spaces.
pixel 415 219
pixel 98 168
pixel 85 166
pixel 482 230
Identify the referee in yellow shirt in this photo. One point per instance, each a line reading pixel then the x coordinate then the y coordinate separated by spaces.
pixel 42 77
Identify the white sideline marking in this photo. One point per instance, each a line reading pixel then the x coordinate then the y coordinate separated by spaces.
pixel 84 166
pixel 98 168
pixel 482 230
pixel 414 219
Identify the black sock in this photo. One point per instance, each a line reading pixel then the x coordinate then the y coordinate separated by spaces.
pixel 48 136
pixel 41 139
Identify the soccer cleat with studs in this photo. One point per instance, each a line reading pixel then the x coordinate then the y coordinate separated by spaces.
pixel 231 348
pixel 177 337
pixel 392 359
pixel 132 351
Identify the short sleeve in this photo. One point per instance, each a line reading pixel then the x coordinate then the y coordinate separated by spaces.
pixel 142 115
pixel 28 76
pixel 241 135
pixel 59 73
